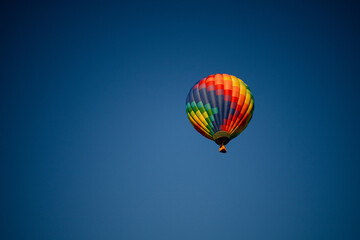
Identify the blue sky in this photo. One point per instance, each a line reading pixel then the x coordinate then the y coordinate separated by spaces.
pixel 95 142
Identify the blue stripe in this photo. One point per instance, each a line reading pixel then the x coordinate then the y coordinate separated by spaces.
pixel 220 105
pixel 212 100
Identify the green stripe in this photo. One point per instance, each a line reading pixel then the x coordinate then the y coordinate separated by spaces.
pixel 215 110
pixel 201 107
pixel 207 106
pixel 211 125
pixel 193 104
pixel 194 107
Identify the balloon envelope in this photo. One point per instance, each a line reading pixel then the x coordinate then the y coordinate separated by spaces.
pixel 220 107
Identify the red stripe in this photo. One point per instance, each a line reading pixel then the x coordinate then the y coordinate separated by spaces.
pixel 234 101
pixel 210 83
pixel 219 86
pixel 228 92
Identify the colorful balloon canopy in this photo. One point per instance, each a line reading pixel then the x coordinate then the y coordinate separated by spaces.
pixel 220 107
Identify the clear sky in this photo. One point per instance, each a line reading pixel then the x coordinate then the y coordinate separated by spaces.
pixel 96 144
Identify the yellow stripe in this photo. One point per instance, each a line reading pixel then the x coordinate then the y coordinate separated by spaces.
pixel 235 81
pixel 193 122
pixel 201 117
pixel 242 89
pixel 203 127
pixel 227 77
pixel 244 111
pixel 248 97
pixel 205 115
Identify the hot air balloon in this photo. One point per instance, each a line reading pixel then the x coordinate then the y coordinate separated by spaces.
pixel 220 107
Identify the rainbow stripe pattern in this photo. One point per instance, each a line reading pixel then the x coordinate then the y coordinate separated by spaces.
pixel 220 102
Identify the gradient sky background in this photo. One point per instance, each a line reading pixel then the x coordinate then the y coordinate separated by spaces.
pixel 96 144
